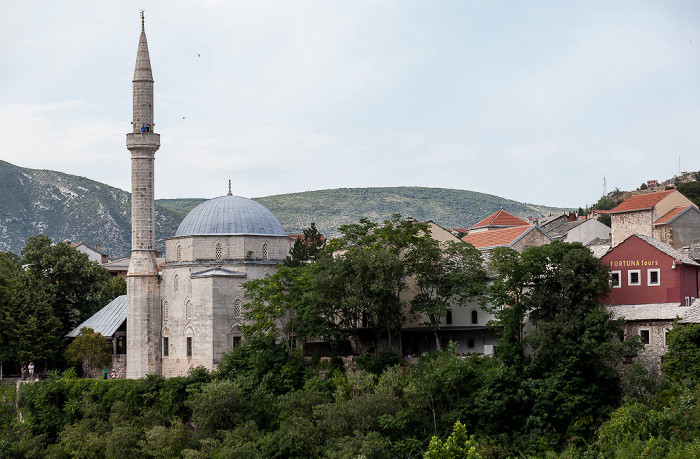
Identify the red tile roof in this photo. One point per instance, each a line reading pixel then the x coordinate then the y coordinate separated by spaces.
pixel 500 218
pixel 642 201
pixel 670 214
pixel 495 238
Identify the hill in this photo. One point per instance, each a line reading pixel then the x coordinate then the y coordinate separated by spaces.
pixel 70 208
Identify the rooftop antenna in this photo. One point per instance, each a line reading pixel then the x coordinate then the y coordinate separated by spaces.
pixel 229 188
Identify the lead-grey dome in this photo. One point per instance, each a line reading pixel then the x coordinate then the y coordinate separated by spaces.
pixel 230 215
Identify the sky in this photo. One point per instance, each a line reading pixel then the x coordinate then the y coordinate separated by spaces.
pixel 541 102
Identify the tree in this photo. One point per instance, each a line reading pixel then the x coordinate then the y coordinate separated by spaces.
pixel 90 349
pixel 306 247
pixel 359 287
pixel 459 445
pixel 74 284
pixel 690 190
pixel 273 305
pixel 574 342
pixel 28 328
pixel 443 275
pixel 682 360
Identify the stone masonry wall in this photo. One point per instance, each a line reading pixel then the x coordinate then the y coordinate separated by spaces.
pixel 628 223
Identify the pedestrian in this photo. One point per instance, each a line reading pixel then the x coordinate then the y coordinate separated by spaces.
pixel 105 373
pixel 31 371
pixel 24 372
pixel 114 374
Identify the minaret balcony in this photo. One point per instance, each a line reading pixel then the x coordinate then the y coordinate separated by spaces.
pixel 143 140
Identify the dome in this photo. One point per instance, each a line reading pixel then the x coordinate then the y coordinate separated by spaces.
pixel 230 215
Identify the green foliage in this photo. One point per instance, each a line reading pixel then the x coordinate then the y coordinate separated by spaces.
pixel 459 445
pixel 74 284
pixel 690 190
pixel 682 360
pixel 443 275
pixel 643 186
pixel 606 220
pixel 306 247
pixel 376 364
pixel 90 349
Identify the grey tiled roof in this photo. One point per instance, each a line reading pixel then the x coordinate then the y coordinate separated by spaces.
pixel 692 315
pixel 564 228
pixel 107 320
pixel 230 215
pixel 599 247
pixel 652 311
pixel 667 249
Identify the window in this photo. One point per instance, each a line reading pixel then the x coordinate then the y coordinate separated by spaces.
pixel 475 317
pixel 237 308
pixel 236 341
pixel 218 250
pixel 633 277
pixel 448 318
pixel 179 253
pixel 176 283
pixel 166 312
pixel 653 277
pixel 264 252
pixel 644 334
pixel 687 301
pixel 165 346
pixel 470 343
pixel 188 310
pixel 189 346
pixel 615 279
pixel 666 337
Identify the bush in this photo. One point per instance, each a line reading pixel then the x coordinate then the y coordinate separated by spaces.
pixel 377 363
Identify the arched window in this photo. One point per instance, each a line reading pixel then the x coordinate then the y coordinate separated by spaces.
pixel 237 308
pixel 264 251
pixel 475 317
pixel 179 253
pixel 188 309
pixel 219 252
pixel 166 312
pixel 176 283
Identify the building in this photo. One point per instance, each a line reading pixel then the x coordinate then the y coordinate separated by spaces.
pixel 583 231
pixel 497 220
pixel 516 237
pixel 637 214
pixel 679 227
pixel 652 284
pixel 94 254
pixel 183 311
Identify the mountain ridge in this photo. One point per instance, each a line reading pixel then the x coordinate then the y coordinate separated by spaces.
pixel 67 207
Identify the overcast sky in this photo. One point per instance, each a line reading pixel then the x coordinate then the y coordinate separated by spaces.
pixel 534 101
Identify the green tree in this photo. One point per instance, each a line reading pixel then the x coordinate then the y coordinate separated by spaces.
pixel 690 190
pixel 306 247
pixel 90 349
pixel 459 445
pixel 443 275
pixel 75 284
pixel 682 359
pixel 28 328
pixel 273 304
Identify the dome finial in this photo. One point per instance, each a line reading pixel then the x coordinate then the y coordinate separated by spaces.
pixel 143 27
pixel 229 188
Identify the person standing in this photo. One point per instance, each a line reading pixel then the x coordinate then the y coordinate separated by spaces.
pixel 31 371
pixel 24 372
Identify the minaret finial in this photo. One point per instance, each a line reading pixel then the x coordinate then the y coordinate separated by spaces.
pixel 229 188
pixel 143 27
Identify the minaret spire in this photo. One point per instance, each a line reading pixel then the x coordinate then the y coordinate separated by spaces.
pixel 142 283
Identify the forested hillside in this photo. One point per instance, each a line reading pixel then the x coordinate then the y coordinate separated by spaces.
pixel 70 208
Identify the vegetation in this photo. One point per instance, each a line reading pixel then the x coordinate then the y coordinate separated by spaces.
pixel 45 293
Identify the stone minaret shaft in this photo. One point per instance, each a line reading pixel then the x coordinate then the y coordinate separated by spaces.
pixel 143 285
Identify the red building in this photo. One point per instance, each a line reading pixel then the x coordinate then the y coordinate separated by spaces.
pixel 652 285
pixel 644 270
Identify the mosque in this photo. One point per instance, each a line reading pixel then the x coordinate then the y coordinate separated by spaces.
pixel 188 313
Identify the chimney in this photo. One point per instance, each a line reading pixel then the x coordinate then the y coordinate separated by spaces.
pixel 98 248
pixel 572 217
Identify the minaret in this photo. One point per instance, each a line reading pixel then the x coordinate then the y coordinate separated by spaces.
pixel 143 321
